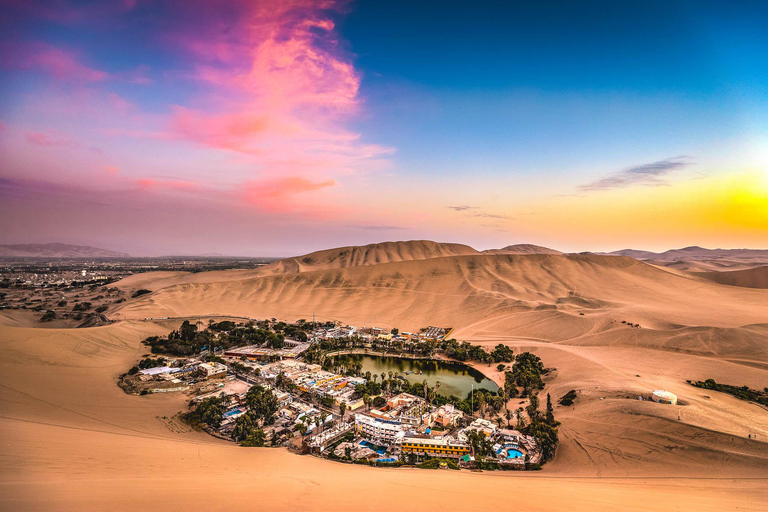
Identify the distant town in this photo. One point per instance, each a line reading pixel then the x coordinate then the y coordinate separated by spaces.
pixel 300 386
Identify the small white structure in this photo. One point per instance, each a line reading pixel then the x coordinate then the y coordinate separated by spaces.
pixel 664 397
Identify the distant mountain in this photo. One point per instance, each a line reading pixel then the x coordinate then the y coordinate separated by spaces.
pixel 693 252
pixel 700 259
pixel 57 250
pixel 523 249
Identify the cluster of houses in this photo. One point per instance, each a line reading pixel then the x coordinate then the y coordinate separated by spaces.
pixel 377 333
pixel 407 424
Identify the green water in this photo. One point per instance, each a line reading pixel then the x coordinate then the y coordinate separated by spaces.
pixel 455 378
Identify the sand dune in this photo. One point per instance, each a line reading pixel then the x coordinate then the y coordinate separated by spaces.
pixel 72 440
pixel 523 249
pixel 373 254
pixel 749 278
pixel 550 297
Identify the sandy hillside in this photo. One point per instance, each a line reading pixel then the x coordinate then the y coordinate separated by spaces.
pixel 373 254
pixel 750 278
pixel 550 297
pixel 523 249
pixel 72 440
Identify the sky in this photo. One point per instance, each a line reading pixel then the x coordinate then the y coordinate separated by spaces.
pixel 279 127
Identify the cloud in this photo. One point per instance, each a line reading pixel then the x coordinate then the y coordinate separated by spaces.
pixel 651 174
pixel 378 228
pixel 472 211
pixel 277 195
pixel 281 86
pixel 489 215
pixel 44 139
pixel 59 63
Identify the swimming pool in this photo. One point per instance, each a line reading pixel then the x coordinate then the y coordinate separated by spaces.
pixel 380 451
pixel 514 454
pixel 232 412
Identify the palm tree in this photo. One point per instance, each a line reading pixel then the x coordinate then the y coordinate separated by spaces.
pixel 342 409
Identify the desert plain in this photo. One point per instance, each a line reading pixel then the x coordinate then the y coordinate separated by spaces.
pixel 73 440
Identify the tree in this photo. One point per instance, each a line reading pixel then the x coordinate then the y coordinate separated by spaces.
pixel 342 409
pixel 187 331
pixel 348 452
pixel 546 437
pixel 500 367
pixel 256 437
pixel 262 403
pixel 367 400
pixel 533 408
pixel 211 411
pixel 550 418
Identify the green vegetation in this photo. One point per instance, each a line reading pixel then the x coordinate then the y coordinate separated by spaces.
pixel 742 393
pixel 464 351
pixel 435 464
pixel 544 430
pixel 209 411
pixel 189 340
pixel 147 363
pixel 502 354
pixel 526 373
pixel 568 398
pixel 82 306
pixel 139 293
pixel 262 406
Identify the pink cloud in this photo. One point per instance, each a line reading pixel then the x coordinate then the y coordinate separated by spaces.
pixel 43 139
pixel 59 63
pixel 277 195
pixel 282 87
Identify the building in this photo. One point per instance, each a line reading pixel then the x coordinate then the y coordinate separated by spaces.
pixel 482 426
pixel 407 409
pixel 379 431
pixel 664 397
pixel 447 416
pixel 435 447
pixel 213 369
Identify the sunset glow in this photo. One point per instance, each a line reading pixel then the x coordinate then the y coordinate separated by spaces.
pixel 275 127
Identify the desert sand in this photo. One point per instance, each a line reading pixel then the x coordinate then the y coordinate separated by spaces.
pixel 72 440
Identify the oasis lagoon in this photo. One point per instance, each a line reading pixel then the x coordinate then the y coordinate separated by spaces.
pixel 455 378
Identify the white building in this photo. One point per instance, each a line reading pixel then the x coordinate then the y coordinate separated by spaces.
pixel 379 431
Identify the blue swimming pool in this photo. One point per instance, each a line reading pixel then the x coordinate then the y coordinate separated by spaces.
pixel 514 454
pixel 232 412
pixel 379 450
